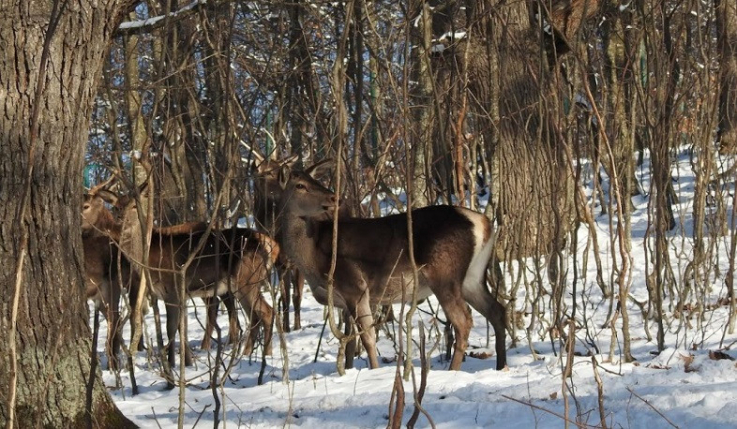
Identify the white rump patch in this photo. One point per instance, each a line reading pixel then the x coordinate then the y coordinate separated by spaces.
pixel 473 283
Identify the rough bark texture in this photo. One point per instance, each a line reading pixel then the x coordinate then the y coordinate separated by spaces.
pixel 421 108
pixel 57 385
pixel 726 14
pixel 531 185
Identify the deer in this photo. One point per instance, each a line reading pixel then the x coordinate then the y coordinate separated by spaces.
pixel 234 260
pixel 265 200
pixel 451 247
pixel 106 274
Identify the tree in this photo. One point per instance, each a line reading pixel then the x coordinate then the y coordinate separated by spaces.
pixel 49 70
pixel 726 27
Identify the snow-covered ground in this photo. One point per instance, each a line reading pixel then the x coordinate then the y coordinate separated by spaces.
pixel 692 384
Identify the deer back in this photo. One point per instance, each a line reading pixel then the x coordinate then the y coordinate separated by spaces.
pixel 239 255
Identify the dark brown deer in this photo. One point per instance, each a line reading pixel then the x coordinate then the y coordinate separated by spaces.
pixel 235 260
pixel 452 247
pixel 265 201
pixel 106 275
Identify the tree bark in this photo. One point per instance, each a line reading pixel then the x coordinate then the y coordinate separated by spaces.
pixel 52 58
pixel 726 20
pixel 421 96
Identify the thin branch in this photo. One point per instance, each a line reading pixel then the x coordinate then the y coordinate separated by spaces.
pixel 652 407
pixel 129 28
pixel 560 416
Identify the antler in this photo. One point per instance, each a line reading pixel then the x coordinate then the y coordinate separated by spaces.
pixel 256 156
pixel 95 189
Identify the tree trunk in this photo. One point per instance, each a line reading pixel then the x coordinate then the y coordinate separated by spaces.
pixel 726 19
pixel 421 95
pixel 46 372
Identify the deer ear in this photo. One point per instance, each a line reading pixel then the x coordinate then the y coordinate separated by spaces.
pixel 320 169
pixel 284 174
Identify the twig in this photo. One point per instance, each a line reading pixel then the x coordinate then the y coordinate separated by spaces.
pixel 600 393
pixel 560 416
pixel 651 406
pixel 420 394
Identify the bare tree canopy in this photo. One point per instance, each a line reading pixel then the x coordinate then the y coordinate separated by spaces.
pixel 553 122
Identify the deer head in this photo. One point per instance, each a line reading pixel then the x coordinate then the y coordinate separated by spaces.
pixel 302 195
pixel 267 175
pixel 95 216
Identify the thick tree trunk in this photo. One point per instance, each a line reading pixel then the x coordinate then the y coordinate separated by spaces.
pixel 726 15
pixel 422 111
pixel 46 373
pixel 531 190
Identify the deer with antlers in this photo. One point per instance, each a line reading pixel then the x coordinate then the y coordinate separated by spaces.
pixel 451 248
pixel 107 274
pixel 265 200
pixel 235 260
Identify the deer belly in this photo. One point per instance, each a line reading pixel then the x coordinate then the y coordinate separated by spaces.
pixel 220 288
pixel 401 289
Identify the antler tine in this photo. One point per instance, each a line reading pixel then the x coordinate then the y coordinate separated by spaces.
pixel 95 189
pixel 256 156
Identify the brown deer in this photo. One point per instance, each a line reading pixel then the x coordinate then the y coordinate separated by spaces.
pixel 265 201
pixel 235 260
pixel 106 274
pixel 452 247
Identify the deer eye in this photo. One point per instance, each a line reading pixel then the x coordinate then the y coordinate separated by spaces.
pixel 300 186
pixel 86 207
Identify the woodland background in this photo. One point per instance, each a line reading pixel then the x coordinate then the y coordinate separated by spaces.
pixel 538 112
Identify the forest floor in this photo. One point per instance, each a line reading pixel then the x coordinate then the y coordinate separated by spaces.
pixel 690 384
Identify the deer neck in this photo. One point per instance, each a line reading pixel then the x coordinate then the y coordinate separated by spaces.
pixel 106 227
pixel 298 238
pixel 114 232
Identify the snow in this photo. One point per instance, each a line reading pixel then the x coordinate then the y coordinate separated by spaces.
pixel 129 25
pixel 684 386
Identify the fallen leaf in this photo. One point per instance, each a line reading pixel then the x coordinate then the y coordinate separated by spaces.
pixel 719 355
pixel 480 355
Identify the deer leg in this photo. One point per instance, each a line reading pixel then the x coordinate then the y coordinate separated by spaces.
pixel 286 286
pixel 108 306
pixel 172 327
pixel 350 347
pixel 481 299
pixel 299 285
pixel 365 322
pixel 260 315
pixel 234 328
pixel 459 315
pixel 211 309
pixel 133 289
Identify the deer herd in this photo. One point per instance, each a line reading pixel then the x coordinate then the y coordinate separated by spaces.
pixel 440 250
